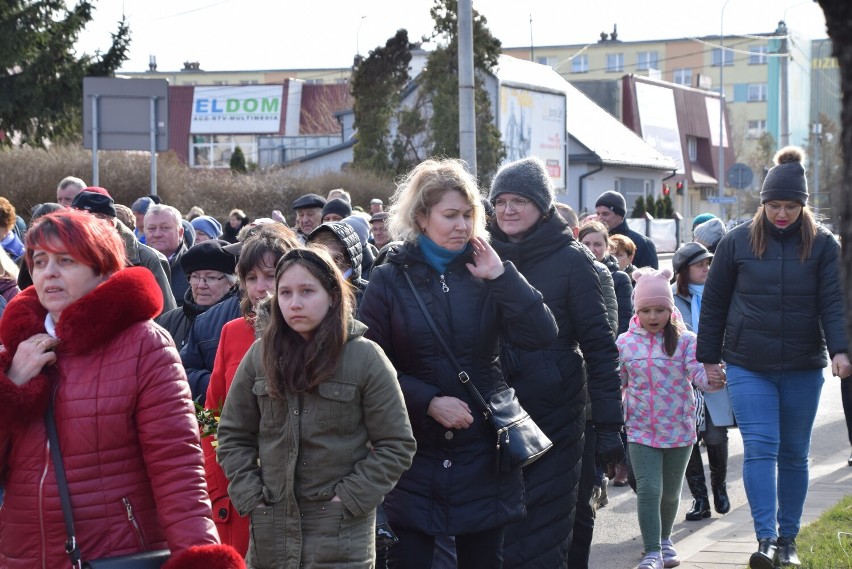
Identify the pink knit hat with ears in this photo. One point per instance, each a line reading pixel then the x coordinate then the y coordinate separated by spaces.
pixel 653 288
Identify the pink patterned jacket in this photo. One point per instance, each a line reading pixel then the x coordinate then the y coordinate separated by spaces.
pixel 659 405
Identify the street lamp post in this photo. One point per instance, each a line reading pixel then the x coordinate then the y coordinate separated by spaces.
pixel 721 173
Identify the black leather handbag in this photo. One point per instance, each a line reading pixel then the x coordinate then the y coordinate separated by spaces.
pixel 143 560
pixel 520 441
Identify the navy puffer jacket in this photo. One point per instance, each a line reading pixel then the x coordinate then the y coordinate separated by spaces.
pixel 551 384
pixel 453 486
pixel 776 312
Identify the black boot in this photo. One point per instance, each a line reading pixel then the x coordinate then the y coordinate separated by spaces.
pixel 717 456
pixel 764 557
pixel 698 487
pixel 788 556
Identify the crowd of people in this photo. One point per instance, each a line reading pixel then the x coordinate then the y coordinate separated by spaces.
pixel 246 393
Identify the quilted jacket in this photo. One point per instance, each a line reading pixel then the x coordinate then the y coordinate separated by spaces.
pixel 127 432
pixel 659 404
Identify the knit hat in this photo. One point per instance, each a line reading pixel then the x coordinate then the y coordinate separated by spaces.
pixel 94 202
pixel 653 288
pixel 710 233
pixel 309 200
pixel 360 226
pixel 207 224
pixel 527 177
pixel 141 205
pixel 701 218
pixel 614 201
pixel 786 180
pixel 339 206
pixel 689 254
pixel 209 255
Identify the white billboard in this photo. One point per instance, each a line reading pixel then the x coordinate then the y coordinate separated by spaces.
pixel 252 109
pixel 659 121
pixel 532 123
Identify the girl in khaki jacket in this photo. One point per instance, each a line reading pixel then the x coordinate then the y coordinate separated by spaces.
pixel 314 431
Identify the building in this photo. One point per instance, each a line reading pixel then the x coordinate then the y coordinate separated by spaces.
pixel 766 76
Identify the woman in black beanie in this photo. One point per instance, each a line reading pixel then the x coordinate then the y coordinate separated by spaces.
pixel 772 305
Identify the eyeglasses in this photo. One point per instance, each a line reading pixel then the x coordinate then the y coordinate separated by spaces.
pixel 198 279
pixel 515 204
pixel 789 209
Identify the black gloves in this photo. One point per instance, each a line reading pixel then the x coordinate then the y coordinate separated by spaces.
pixel 608 447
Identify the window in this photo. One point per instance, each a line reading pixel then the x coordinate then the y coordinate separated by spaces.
pixel 580 64
pixel 646 60
pixel 757 55
pixel 692 148
pixel 248 82
pixel 756 128
pixel 683 76
pixel 717 57
pixel 220 82
pixel 215 150
pixel 549 61
pixel 615 62
pixel 756 92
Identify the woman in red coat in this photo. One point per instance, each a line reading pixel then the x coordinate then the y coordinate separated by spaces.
pixel 83 336
pixel 256 269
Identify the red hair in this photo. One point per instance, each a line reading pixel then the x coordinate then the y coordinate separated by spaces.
pixel 90 240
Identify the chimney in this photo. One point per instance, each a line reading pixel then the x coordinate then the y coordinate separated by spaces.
pixel 152 63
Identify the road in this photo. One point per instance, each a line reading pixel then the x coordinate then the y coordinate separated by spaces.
pixel 617 543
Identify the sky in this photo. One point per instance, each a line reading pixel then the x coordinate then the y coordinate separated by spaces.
pixel 285 34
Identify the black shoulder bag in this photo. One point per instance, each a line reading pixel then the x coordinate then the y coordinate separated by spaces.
pixel 143 560
pixel 520 441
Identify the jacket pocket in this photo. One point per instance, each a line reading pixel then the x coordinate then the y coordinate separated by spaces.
pixel 339 407
pixel 134 524
pixel 273 412
pixel 261 552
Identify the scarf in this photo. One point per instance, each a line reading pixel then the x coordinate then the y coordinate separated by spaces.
pixel 697 291
pixel 438 257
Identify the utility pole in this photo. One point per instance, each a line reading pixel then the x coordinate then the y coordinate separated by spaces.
pixel 817 130
pixel 467 105
pixel 784 124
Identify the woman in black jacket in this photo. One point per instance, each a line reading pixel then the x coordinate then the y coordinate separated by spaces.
pixel 454 486
pixel 551 382
pixel 772 304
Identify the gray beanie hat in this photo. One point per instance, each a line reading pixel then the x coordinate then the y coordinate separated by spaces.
pixel 141 205
pixel 786 180
pixel 614 201
pixel 527 177
pixel 710 232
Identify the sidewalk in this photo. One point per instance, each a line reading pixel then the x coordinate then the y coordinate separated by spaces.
pixel 728 541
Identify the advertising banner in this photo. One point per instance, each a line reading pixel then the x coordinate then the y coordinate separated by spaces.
pixel 252 109
pixel 659 121
pixel 532 123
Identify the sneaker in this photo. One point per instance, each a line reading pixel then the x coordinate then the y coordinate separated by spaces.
pixel 652 560
pixel 670 557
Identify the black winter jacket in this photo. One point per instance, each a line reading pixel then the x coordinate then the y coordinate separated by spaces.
pixel 775 313
pixel 180 285
pixel 646 251
pixel 199 352
pixel 623 293
pixel 453 486
pixel 551 385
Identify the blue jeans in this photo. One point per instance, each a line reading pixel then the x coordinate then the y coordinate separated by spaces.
pixel 775 470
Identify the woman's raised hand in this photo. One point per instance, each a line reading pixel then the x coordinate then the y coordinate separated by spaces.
pixel 32 355
pixel 450 412
pixel 486 262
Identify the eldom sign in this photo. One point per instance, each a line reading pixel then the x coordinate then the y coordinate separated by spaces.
pixel 236 110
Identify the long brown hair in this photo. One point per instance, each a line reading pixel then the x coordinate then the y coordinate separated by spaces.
pixel 271 239
pixel 757 233
pixel 682 280
pixel 293 365
pixel 671 335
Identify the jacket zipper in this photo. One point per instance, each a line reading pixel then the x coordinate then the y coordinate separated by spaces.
pixel 652 416
pixel 444 286
pixel 134 524
pixel 41 504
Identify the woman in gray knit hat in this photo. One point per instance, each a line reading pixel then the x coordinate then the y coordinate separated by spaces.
pixel 555 382
pixel 772 307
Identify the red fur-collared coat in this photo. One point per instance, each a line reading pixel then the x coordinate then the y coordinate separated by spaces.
pixel 127 433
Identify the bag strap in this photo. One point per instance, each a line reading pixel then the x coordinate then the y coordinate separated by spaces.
pixel 463 377
pixel 71 547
